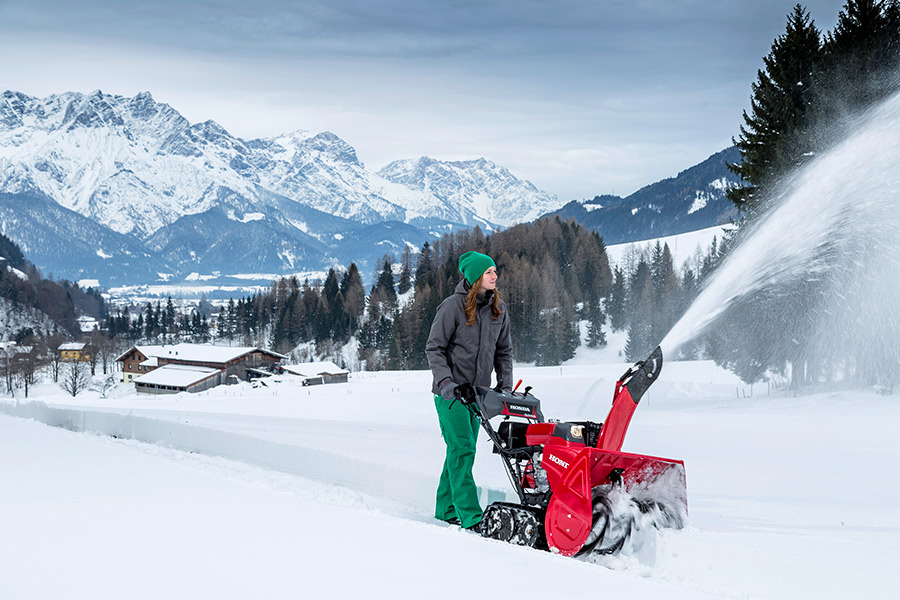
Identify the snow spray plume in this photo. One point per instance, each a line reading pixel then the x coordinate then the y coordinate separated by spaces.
pixel 835 223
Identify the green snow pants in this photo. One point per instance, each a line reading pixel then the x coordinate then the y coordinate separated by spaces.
pixel 457 495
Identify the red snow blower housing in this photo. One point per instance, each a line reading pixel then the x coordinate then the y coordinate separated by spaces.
pixel 578 492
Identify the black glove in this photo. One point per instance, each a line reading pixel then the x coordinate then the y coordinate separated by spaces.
pixel 465 393
pixel 448 391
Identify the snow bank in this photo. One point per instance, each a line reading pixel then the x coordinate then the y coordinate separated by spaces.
pixel 377 479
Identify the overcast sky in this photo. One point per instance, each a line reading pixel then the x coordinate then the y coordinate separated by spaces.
pixel 581 97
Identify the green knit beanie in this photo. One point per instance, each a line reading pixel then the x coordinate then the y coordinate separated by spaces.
pixel 473 265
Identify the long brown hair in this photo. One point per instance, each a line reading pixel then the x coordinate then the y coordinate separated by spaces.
pixel 472 302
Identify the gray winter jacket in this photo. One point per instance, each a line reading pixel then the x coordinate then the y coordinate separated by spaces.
pixel 468 353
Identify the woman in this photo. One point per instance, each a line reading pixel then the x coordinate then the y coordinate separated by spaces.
pixel 469 339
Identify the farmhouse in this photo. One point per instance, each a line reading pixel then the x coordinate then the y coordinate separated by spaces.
pixel 11 351
pixel 138 360
pixel 229 362
pixel 76 351
pixel 172 379
pixel 316 373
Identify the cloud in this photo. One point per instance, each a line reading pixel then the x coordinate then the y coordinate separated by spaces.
pixel 621 89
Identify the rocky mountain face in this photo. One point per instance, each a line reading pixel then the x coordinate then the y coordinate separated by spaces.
pixel 692 200
pixel 126 190
pixel 478 191
pixel 120 188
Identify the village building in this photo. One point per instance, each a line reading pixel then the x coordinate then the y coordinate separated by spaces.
pixel 315 373
pixel 138 360
pixel 76 351
pixel 87 324
pixel 11 351
pixel 230 363
pixel 172 379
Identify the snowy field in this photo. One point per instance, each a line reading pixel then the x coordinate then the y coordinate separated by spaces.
pixel 685 247
pixel 283 491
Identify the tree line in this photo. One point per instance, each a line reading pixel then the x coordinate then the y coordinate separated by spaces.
pixel 555 279
pixel 556 276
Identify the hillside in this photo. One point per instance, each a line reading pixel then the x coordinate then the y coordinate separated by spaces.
pixel 692 200
pixel 31 304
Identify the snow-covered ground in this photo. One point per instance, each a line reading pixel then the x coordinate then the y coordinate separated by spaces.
pixel 283 491
pixel 685 247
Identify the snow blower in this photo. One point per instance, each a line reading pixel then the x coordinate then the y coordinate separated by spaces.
pixel 578 492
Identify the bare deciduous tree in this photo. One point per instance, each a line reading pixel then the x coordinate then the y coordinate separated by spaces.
pixel 107 354
pixel 28 364
pixel 53 343
pixel 104 386
pixel 91 348
pixel 74 377
pixel 7 355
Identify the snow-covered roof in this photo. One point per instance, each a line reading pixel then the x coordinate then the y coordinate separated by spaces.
pixel 198 352
pixel 11 348
pixel 207 353
pixel 72 346
pixel 315 368
pixel 176 375
pixel 151 362
pixel 87 324
pixel 147 351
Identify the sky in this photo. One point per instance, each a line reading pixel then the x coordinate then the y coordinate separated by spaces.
pixel 581 97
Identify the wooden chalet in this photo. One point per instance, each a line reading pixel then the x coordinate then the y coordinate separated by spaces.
pixel 232 362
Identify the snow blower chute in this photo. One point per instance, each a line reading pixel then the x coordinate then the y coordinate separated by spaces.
pixel 578 492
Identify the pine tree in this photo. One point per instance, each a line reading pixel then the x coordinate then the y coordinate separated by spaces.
pixel 775 138
pixel 185 328
pixel 150 323
pixel 666 292
pixel 426 266
pixel 228 321
pixel 861 59
pixel 204 334
pixel 596 337
pixel 354 296
pixel 618 318
pixel 385 283
pixel 171 321
pixel 333 323
pixel 640 340
pixel 137 328
pixel 405 283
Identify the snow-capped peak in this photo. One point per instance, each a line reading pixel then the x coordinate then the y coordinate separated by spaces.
pixel 137 165
pixel 479 189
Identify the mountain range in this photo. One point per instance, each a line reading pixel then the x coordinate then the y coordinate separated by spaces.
pixel 110 187
pixel 694 199
pixel 125 190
